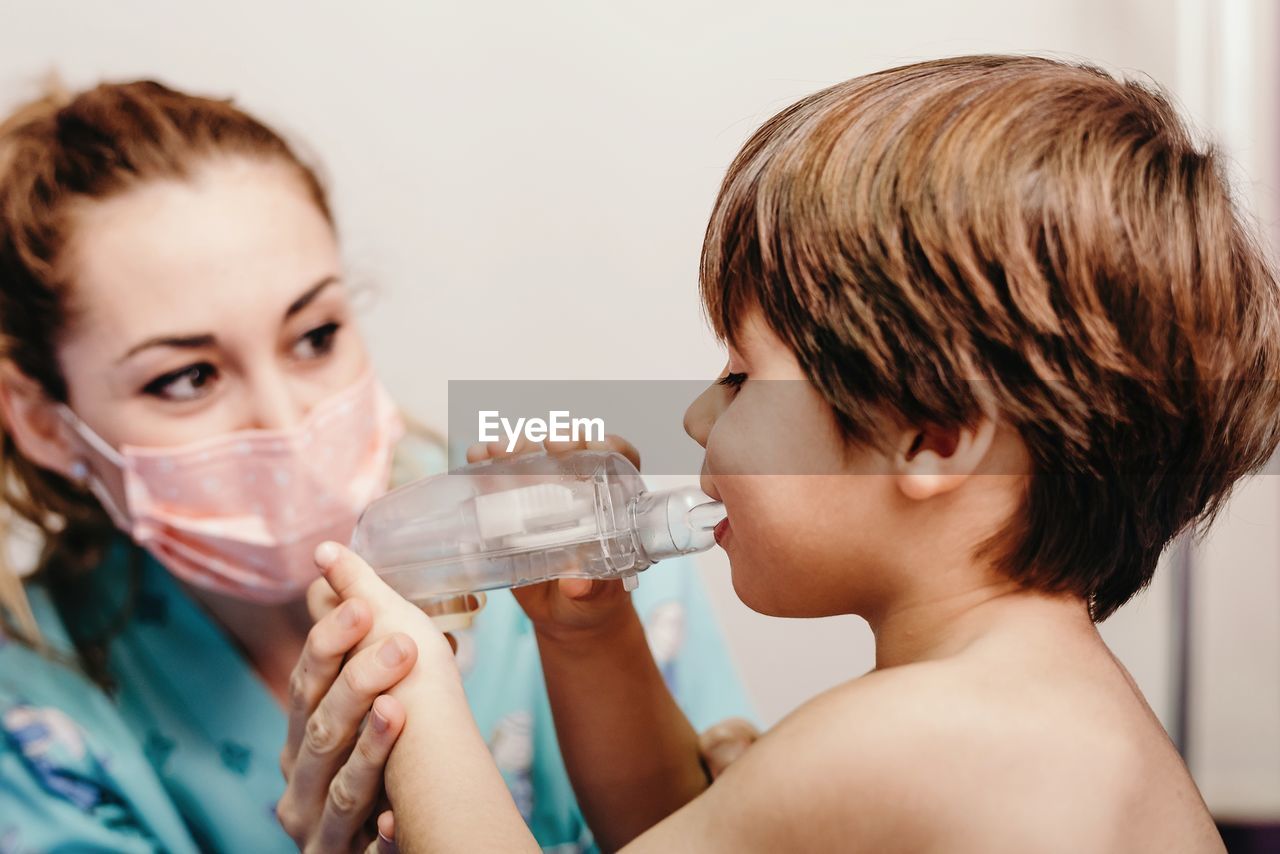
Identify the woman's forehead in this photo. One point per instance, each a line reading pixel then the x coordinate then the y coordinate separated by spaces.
pixel 238 239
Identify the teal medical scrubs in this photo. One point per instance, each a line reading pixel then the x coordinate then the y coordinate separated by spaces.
pixel 184 754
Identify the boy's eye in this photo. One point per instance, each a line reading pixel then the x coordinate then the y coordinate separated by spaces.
pixel 189 383
pixel 732 381
pixel 316 342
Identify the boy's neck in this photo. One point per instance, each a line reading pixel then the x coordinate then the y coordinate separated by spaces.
pixel 938 625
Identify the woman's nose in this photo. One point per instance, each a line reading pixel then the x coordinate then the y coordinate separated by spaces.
pixel 274 405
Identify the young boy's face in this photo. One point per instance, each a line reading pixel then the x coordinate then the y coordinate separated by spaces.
pixel 814 523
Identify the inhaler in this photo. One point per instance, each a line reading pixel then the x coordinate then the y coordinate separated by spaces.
pixel 442 541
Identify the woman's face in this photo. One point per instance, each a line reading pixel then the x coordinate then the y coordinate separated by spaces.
pixel 204 306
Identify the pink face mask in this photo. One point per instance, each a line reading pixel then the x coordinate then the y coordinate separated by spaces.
pixel 241 513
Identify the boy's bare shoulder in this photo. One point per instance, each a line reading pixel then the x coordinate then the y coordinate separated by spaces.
pixel 938 755
pixel 887 761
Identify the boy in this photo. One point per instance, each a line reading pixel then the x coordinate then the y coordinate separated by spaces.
pixel 996 335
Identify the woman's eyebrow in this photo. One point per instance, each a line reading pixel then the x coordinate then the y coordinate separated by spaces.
pixel 312 292
pixel 187 342
pixel 207 339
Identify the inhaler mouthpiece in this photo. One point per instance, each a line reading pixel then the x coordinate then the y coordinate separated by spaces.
pixel 676 521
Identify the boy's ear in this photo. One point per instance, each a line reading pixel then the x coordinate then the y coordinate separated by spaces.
pixel 32 419
pixel 933 460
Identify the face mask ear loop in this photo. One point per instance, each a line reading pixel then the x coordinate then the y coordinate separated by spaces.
pixel 85 432
pixel 83 474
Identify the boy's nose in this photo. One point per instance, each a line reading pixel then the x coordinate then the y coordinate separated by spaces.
pixel 700 417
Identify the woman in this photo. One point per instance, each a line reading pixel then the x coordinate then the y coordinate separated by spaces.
pixel 188 410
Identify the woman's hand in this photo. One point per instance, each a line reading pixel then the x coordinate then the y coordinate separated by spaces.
pixel 341 730
pixel 567 606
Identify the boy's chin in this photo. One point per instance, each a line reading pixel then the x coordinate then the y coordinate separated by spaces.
pixel 765 595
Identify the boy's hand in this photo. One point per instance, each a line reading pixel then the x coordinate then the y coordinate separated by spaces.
pixel 351 578
pixel 722 744
pixel 568 608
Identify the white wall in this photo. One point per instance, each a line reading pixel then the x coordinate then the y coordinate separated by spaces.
pixel 527 183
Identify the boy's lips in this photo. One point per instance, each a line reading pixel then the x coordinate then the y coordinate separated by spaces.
pixel 722 530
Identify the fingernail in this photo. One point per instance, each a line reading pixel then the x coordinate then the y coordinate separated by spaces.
pixel 393 652
pixel 378 722
pixel 326 554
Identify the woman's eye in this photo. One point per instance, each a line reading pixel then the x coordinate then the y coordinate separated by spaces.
pixel 189 383
pixel 317 342
pixel 732 381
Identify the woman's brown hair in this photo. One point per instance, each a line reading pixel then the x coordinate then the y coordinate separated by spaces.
pixel 1027 238
pixel 57 152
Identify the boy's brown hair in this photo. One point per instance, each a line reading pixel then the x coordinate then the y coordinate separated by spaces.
pixel 1033 239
